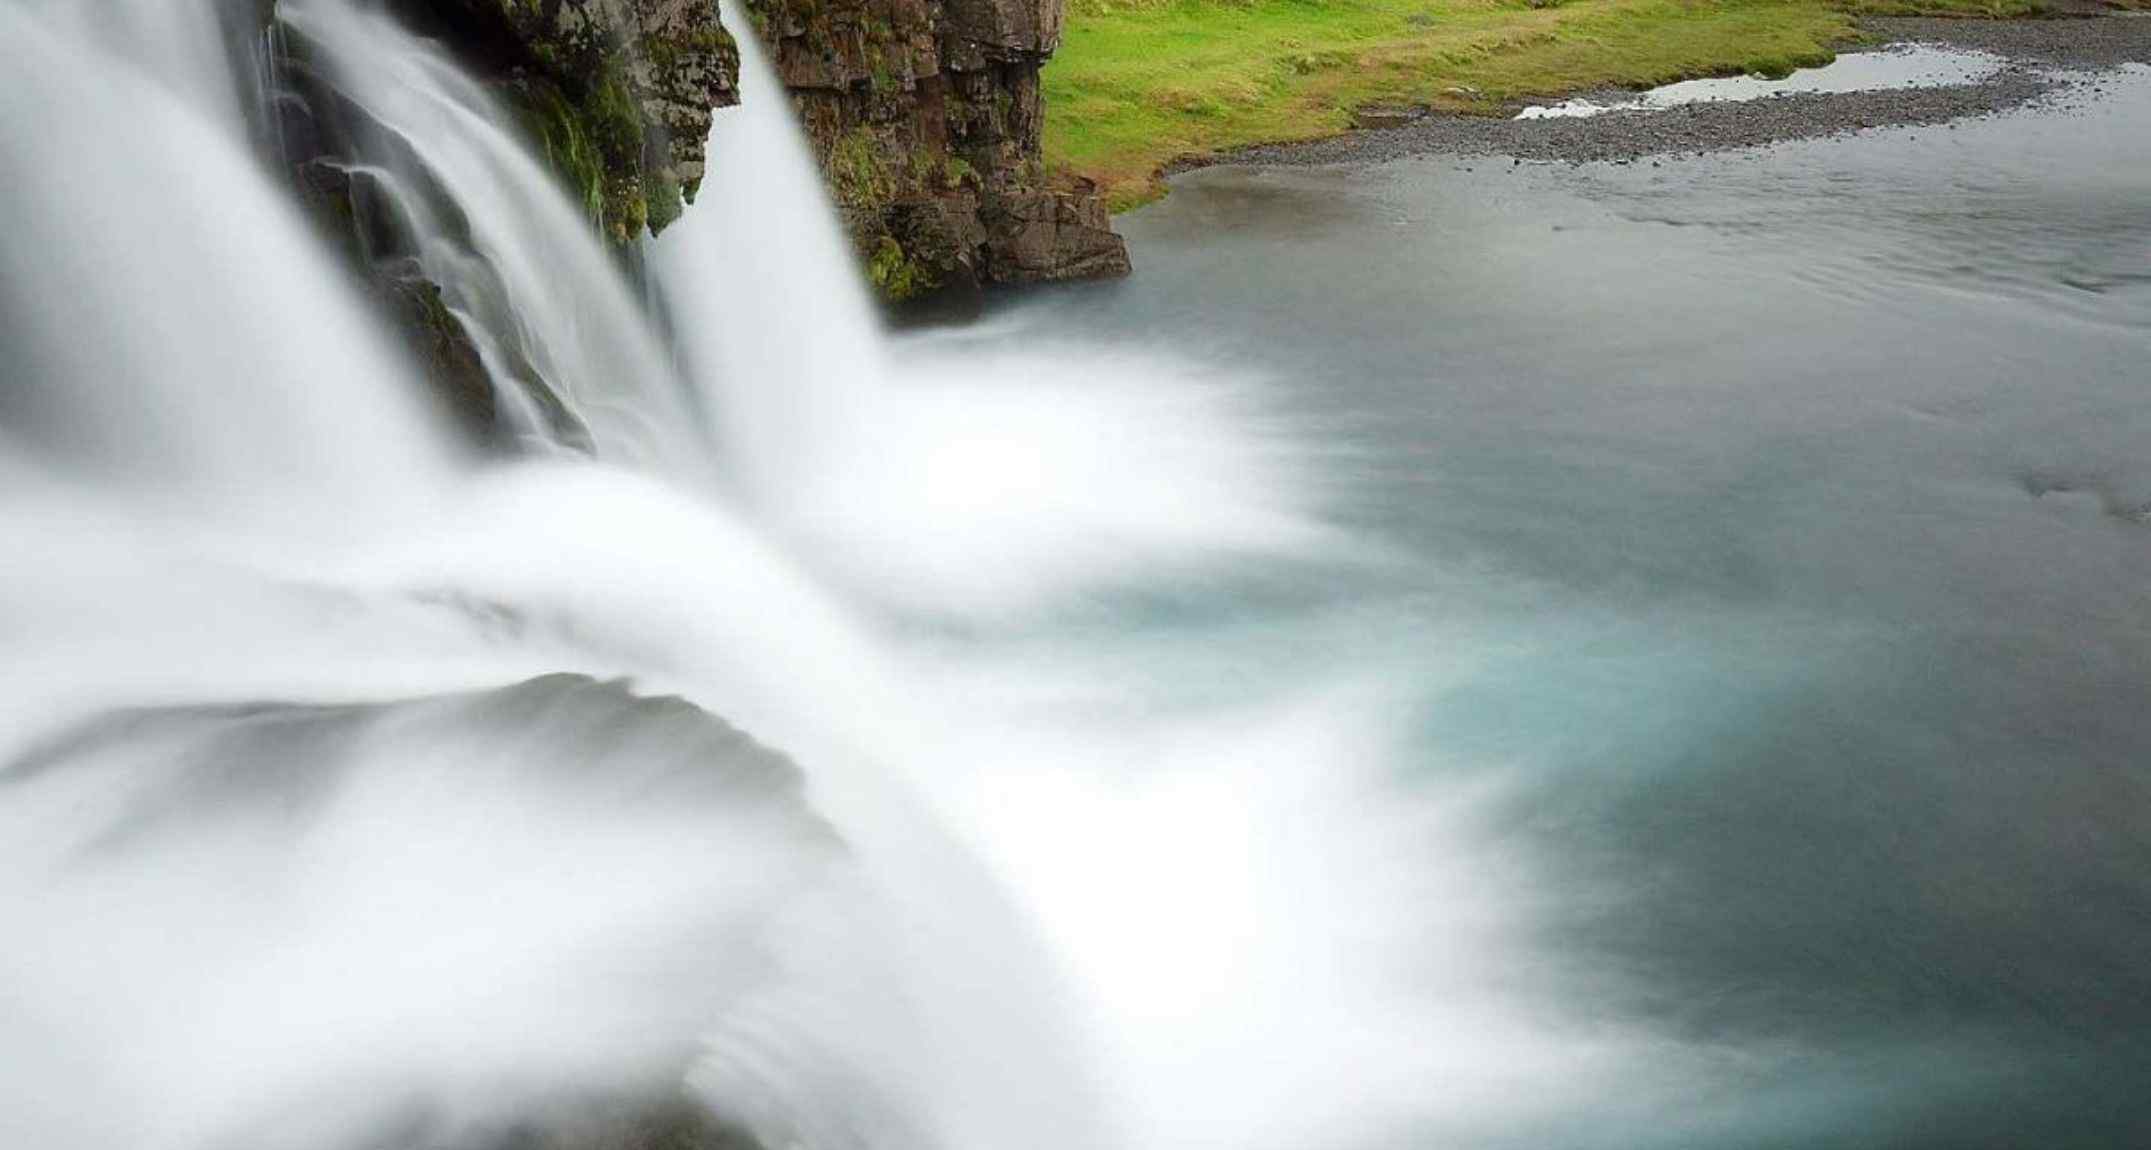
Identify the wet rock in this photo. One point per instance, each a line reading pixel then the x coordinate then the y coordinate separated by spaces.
pixel 1046 235
pixel 360 225
pixel 445 351
pixel 927 115
pixel 619 93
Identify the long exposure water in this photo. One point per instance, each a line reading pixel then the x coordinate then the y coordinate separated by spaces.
pixel 1449 655
pixel 1776 526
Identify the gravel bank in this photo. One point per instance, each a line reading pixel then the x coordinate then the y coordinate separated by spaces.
pixel 2046 58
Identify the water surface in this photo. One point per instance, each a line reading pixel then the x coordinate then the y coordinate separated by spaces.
pixel 1899 66
pixel 1778 525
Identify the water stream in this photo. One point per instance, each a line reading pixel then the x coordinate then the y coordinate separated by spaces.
pixel 361 790
pixel 1228 710
pixel 1774 529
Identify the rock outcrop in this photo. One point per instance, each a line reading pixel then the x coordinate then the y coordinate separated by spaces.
pixel 927 117
pixel 619 93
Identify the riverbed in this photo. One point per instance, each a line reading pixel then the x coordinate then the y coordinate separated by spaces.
pixel 1902 73
pixel 1773 527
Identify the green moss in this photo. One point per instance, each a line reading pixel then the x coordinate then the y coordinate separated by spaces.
pixel 1779 67
pixel 939 172
pixel 862 180
pixel 956 172
pixel 895 274
pixel 445 352
pixel 665 52
pixel 627 209
pixel 614 118
pixel 879 75
pixel 556 124
pixel 666 204
pixel 598 145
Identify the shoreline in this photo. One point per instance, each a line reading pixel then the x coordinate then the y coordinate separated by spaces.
pixel 2042 58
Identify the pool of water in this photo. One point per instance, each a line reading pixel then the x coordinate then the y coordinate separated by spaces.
pixel 1771 526
pixel 1901 66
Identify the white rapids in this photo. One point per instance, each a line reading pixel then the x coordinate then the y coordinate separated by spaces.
pixel 354 783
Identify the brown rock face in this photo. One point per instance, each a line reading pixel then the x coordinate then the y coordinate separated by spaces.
pixel 685 67
pixel 926 115
pixel 617 95
pixel 626 86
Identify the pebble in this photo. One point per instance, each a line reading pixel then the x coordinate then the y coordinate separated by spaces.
pixel 2036 49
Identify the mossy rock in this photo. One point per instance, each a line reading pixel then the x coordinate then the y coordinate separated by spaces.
pixel 896 275
pixel 615 94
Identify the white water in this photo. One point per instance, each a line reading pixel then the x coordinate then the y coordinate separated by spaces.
pixel 189 399
pixel 946 480
pixel 1899 66
pixel 307 859
pixel 565 303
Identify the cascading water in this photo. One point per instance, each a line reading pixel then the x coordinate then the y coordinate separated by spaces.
pixel 186 399
pixel 531 278
pixel 944 479
pixel 340 791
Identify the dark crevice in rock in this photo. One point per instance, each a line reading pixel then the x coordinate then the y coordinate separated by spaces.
pixel 616 95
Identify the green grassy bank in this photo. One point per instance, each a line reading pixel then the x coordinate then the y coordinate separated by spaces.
pixel 1140 83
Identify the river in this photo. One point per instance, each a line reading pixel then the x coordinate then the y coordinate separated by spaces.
pixel 1777 525
pixel 1453 653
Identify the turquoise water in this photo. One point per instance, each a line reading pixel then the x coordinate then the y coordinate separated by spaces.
pixel 1775 528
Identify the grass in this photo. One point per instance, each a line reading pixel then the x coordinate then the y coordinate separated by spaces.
pixel 1138 84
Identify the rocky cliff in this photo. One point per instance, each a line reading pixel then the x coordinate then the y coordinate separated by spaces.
pixel 619 93
pixel 926 115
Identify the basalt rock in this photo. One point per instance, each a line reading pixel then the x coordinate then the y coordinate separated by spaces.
pixel 618 93
pixel 354 221
pixel 926 116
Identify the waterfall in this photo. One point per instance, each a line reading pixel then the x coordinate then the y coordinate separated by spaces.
pixel 189 400
pixel 768 290
pixel 533 277
pixel 946 480
pixel 355 792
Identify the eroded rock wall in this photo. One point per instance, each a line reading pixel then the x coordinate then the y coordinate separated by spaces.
pixel 927 117
pixel 619 93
